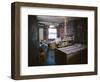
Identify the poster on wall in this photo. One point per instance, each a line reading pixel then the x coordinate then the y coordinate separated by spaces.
pixel 50 40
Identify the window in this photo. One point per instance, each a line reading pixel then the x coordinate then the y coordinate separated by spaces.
pixel 52 33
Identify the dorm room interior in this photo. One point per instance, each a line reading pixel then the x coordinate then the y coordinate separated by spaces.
pixel 57 40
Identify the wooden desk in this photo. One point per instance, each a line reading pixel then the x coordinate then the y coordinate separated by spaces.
pixel 75 54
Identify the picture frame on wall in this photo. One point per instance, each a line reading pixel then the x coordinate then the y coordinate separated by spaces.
pixel 51 40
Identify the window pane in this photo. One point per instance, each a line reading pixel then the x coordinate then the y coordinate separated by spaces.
pixel 52 33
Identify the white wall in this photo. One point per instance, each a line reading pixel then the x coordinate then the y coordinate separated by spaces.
pixel 5 40
pixel 41 34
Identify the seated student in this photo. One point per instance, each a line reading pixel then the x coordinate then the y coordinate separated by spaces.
pixel 51 54
pixel 44 46
pixel 42 57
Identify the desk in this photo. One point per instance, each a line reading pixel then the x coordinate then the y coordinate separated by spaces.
pixel 74 54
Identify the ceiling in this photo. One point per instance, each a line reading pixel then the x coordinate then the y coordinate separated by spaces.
pixel 54 20
pixel 51 19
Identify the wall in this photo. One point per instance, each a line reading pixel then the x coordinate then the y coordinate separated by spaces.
pixel 33 40
pixel 5 40
pixel 81 30
pixel 41 34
